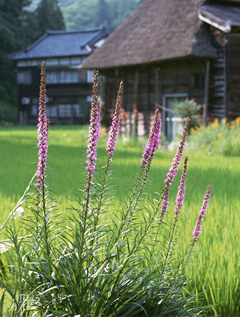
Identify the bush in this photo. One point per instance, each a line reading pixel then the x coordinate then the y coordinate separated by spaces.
pixel 188 109
pixel 217 138
pixel 100 264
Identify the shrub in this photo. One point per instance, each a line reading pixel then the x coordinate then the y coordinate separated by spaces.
pixel 217 138
pixel 101 262
pixel 188 109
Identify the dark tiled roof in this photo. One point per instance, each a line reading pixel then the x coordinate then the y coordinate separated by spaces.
pixel 62 43
pixel 158 30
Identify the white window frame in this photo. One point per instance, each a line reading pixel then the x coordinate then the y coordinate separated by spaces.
pixel 164 119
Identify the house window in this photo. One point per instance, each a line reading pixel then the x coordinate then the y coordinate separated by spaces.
pixel 52 78
pixel 69 76
pixel 90 76
pixel 65 111
pixel 51 62
pixel 76 111
pixel 66 77
pixel 25 101
pixel 52 111
pixel 76 60
pixel 24 77
pixel 170 124
pixel 75 76
pixel 34 110
pixel 62 77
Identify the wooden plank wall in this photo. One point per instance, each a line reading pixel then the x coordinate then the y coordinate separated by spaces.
pixel 217 78
pixel 233 76
pixel 154 81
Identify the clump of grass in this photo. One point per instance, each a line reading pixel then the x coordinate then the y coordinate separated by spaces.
pixel 103 261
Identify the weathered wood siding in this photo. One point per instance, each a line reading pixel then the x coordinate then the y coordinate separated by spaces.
pixel 233 76
pixel 146 85
pixel 217 83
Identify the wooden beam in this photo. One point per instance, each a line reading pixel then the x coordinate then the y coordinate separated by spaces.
pixel 135 90
pixel 226 77
pixel 214 21
pixel 147 122
pixel 206 91
pixel 136 82
pixel 116 85
pixel 156 86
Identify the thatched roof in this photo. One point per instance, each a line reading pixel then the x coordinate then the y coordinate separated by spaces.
pixel 158 30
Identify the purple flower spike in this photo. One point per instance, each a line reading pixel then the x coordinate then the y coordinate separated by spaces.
pixel 94 129
pixel 43 133
pixel 173 169
pixel 202 212
pixel 182 188
pixel 153 140
pixel 114 129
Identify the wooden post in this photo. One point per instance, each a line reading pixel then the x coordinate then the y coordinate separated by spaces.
pixel 115 85
pixel 156 90
pixel 147 121
pixel 135 102
pixel 226 78
pixel 206 91
pixel 156 86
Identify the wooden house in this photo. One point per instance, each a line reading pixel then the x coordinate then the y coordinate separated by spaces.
pixel 170 50
pixel 69 87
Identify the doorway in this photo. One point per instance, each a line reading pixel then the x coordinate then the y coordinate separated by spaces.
pixel 171 124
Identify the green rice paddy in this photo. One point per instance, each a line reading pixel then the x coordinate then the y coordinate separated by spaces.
pixel 215 264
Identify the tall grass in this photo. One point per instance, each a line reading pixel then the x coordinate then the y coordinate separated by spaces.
pixel 215 265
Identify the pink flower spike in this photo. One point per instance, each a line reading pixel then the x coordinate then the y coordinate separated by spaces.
pixel 202 212
pixel 115 126
pixel 173 169
pixel 153 140
pixel 182 188
pixel 43 125
pixel 94 128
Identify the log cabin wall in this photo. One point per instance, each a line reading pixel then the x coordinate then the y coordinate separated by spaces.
pixel 233 76
pixel 217 103
pixel 146 85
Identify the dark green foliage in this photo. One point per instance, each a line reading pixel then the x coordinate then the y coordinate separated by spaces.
pixel 19 28
pixel 13 37
pixel 94 13
pixel 102 18
pixel 188 109
pixel 49 16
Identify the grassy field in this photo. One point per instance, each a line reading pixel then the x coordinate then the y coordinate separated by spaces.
pixel 215 264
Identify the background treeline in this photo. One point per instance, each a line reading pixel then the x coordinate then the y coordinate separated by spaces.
pixel 93 13
pixel 23 21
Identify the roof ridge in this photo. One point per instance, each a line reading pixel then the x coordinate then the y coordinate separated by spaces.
pixel 92 39
pixel 74 31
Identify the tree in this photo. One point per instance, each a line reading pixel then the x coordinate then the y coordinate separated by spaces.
pixel 13 37
pixel 49 16
pixel 102 18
